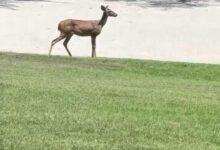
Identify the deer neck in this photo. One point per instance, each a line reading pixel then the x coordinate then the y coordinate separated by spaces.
pixel 104 19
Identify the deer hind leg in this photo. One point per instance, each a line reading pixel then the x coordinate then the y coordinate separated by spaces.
pixel 66 42
pixel 62 36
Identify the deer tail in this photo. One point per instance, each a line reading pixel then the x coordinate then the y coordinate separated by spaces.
pixel 59 27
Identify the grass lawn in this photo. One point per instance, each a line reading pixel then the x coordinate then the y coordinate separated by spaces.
pixel 82 103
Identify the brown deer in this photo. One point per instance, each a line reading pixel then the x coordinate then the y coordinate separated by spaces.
pixel 91 28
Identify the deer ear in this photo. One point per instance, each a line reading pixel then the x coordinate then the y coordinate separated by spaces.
pixel 103 8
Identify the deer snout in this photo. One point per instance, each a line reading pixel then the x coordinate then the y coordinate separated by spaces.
pixel 112 14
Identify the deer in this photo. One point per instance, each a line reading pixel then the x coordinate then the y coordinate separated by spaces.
pixel 92 28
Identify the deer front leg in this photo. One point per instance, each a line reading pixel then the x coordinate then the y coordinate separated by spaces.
pixel 93 46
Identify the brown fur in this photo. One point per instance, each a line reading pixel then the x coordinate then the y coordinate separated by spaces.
pixel 80 27
pixel 91 28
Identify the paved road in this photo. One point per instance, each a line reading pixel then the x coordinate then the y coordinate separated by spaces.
pixel 176 34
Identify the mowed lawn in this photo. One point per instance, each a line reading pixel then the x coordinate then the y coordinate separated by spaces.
pixel 82 103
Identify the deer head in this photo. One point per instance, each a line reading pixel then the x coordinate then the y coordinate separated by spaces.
pixel 108 11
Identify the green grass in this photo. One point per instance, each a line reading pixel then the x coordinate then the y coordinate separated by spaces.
pixel 81 103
